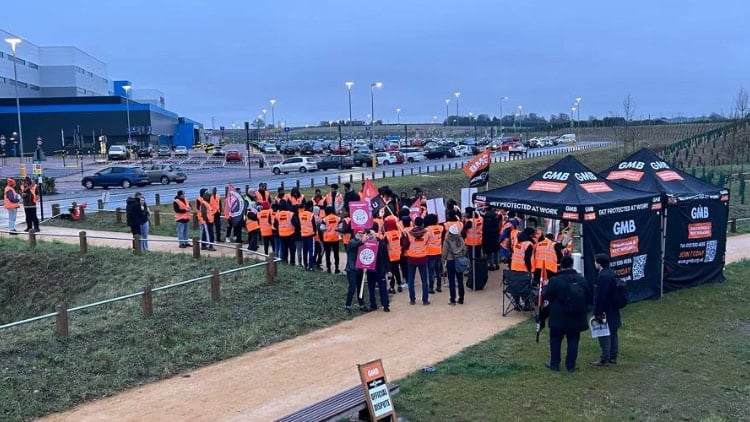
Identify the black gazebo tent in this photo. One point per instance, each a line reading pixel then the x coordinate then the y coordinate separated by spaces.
pixel 696 217
pixel 616 220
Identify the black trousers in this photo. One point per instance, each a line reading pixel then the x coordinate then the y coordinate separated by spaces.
pixel 32 221
pixel 332 247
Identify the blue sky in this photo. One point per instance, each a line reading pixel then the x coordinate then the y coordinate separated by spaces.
pixel 226 59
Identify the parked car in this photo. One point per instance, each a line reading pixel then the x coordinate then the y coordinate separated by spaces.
pixel 386 158
pixel 362 159
pixel 233 156
pixel 117 152
pixel 300 164
pixel 124 176
pixel 568 138
pixel 335 162
pixel 218 152
pixel 163 152
pixel 517 149
pixel 434 150
pixel 289 149
pixel 461 151
pixel 145 152
pixel 339 150
pixel 164 174
pixel 268 148
pixel 181 151
pixel 412 154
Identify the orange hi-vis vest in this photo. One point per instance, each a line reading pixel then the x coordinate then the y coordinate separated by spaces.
pixel 32 189
pixel 215 203
pixel 346 237
pixel 331 233
pixel 336 203
pixel 251 225
pixel 566 240
pixel 393 238
pixel 474 234
pixel 307 226
pixel 210 215
pixel 518 259
pixel 380 223
pixel 417 247
pixel 505 244
pixel 296 201
pixel 545 258
pixel 319 202
pixel 7 204
pixel 264 196
pixel 278 199
pixel 284 218
pixel 435 245
pixel 264 219
pixel 184 204
pixel 514 237
pixel 449 224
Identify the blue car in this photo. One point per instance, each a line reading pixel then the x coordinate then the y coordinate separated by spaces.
pixel 124 176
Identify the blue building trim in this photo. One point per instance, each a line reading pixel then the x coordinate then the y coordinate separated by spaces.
pixel 84 108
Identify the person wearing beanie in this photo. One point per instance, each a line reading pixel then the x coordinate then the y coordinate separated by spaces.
pixel 415 242
pixel 182 214
pixel 11 203
pixel 454 247
pixel 605 309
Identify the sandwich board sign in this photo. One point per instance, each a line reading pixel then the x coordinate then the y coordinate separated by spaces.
pixel 375 387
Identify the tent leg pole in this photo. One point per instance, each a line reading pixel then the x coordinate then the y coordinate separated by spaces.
pixel 663 245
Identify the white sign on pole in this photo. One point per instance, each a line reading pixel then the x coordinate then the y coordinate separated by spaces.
pixel 466 194
pixel 437 206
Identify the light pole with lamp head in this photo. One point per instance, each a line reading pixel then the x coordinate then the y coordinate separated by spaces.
pixel 372 106
pixel 349 86
pixel 520 116
pixel 572 116
pixel 127 88
pixel 457 94
pixel 578 110
pixel 264 111
pixel 447 116
pixel 398 116
pixel 273 116
pixel 503 98
pixel 13 43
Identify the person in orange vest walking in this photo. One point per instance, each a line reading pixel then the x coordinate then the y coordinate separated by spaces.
pixel 265 221
pixel 307 231
pixel 393 242
pixel 415 241
pixel 29 195
pixel 330 228
pixel 216 209
pixel 11 203
pixel 182 213
pixel 434 252
pixel 205 218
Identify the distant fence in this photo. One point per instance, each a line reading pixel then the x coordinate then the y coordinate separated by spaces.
pixel 62 311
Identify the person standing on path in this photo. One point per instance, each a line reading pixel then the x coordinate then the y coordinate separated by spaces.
pixel 568 294
pixel 215 202
pixel 145 223
pixel 30 197
pixel 605 308
pixel 11 203
pixel 415 242
pixel 377 278
pixel 331 236
pixel 133 214
pixel 205 218
pixel 182 214
pixel 454 247
pixel 353 275
pixel 434 252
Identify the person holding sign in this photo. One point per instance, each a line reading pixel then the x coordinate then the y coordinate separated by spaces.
pixel 377 276
pixel 354 275
pixel 605 308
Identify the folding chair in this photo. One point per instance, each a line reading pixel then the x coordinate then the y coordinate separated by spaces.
pixel 518 292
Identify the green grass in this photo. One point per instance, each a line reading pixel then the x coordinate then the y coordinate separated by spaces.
pixel 114 347
pixel 107 221
pixel 685 357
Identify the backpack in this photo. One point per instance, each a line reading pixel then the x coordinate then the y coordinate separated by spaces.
pixel 462 264
pixel 621 294
pixel 575 299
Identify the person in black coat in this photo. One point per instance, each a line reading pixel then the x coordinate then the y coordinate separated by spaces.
pixel 563 322
pixel 491 238
pixel 377 278
pixel 133 214
pixel 605 307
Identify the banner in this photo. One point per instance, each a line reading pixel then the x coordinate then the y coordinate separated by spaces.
pixel 359 211
pixel 695 244
pixel 367 256
pixel 371 195
pixel 415 210
pixel 478 169
pixel 632 240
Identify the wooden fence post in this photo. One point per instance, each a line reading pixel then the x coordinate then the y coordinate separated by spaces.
pixel 239 254
pixel 147 304
pixel 157 218
pixel 99 204
pixel 83 212
pixel 351 178
pixel 157 199
pixel 312 183
pixel 61 322
pixel 32 239
pixel 733 225
pixel 118 215
pixel 137 245
pixel 55 210
pixel 339 179
pixel 271 267
pixel 196 248
pixel 215 285
pixel 194 220
pixel 326 181
pixel 83 243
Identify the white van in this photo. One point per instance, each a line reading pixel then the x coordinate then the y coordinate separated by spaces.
pixel 568 138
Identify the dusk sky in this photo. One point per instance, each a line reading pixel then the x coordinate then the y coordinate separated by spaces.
pixel 226 59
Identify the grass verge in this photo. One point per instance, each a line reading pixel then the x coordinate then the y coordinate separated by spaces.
pixel 684 357
pixel 114 347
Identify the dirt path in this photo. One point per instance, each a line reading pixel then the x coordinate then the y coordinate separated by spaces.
pixel 287 376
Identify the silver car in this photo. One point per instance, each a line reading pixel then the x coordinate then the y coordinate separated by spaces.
pixel 300 164
pixel 164 174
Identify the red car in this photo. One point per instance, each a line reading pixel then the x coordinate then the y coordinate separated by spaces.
pixel 233 156
pixel 343 150
pixel 399 157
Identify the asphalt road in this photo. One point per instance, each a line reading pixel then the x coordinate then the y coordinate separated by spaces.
pixel 70 189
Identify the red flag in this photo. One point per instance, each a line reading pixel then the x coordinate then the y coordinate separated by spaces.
pixel 369 190
pixel 416 209
pixel 478 169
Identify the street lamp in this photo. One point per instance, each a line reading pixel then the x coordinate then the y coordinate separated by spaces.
pixel 457 94
pixel 264 111
pixel 349 86
pixel 447 117
pixel 503 98
pixel 398 116
pixel 273 116
pixel 127 88
pixel 572 116
pixel 13 43
pixel 520 113
pixel 372 106
pixel 258 120
pixel 578 108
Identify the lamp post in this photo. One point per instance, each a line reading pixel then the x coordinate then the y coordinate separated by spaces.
pixel 520 111
pixel 578 110
pixel 503 98
pixel 398 116
pixel 372 106
pixel 259 118
pixel 349 86
pixel 127 88
pixel 572 116
pixel 457 94
pixel 273 116
pixel 447 117
pixel 13 43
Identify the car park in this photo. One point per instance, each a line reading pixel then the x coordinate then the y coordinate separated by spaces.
pixel 181 151
pixel 163 152
pixel 412 154
pixel 117 152
pixel 300 164
pixel 233 156
pixel 165 174
pixel 125 176
pixel 339 162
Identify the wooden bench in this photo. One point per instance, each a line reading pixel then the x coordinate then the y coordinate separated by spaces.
pixel 334 408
